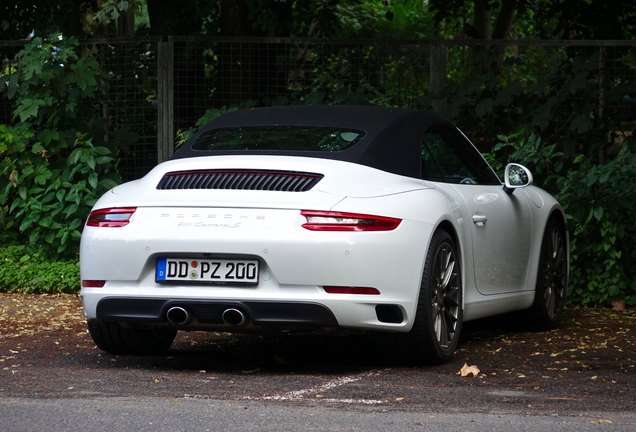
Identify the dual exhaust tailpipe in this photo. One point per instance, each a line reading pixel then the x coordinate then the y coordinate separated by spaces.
pixel 233 317
pixel 178 315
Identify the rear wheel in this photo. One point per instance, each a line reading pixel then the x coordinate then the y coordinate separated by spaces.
pixel 552 279
pixel 116 339
pixel 439 316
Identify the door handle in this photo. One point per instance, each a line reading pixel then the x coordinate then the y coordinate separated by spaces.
pixel 479 219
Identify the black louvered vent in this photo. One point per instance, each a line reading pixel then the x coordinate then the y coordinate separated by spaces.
pixel 266 180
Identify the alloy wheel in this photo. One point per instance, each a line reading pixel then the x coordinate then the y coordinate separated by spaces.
pixel 445 295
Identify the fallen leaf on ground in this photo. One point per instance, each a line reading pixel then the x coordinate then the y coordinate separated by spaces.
pixel 618 305
pixel 468 370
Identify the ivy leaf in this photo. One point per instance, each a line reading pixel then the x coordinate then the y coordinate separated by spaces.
pixel 41 179
pixel 28 108
pixel 581 124
pixel 13 85
pixel 49 135
pixel 484 107
pixel 598 213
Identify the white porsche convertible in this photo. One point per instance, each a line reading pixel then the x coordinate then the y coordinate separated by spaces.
pixel 324 217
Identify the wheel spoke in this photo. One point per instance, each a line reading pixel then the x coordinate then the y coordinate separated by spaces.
pixel 556 242
pixel 550 300
pixel 437 325
pixel 445 296
pixel 450 320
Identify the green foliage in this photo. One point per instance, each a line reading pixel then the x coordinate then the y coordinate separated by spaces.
pixel 58 158
pixel 110 10
pixel 569 102
pixel 600 207
pixel 48 203
pixel 544 160
pixel 24 270
pixel 208 116
pixel 601 204
pixel 554 92
pixel 407 19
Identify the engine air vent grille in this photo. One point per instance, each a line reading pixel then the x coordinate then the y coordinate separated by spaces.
pixel 240 179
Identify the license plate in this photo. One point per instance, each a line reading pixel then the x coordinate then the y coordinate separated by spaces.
pixel 219 271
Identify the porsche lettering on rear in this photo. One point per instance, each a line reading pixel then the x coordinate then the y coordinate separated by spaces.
pixel 208 225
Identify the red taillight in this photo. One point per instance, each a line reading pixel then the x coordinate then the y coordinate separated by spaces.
pixel 93 283
pixel 110 217
pixel 351 290
pixel 340 221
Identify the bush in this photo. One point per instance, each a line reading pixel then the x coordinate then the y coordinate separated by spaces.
pixel 23 270
pixel 58 157
pixel 600 206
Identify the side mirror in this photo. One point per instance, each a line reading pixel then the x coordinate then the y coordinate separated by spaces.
pixel 516 176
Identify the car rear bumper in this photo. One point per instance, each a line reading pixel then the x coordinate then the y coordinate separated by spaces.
pixel 197 312
pixel 365 312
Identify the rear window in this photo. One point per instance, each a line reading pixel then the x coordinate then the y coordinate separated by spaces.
pixel 295 138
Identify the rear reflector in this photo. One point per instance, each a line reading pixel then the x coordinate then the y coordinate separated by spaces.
pixel 340 221
pixel 110 217
pixel 93 283
pixel 351 290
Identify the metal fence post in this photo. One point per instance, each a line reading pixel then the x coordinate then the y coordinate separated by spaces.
pixel 438 70
pixel 165 99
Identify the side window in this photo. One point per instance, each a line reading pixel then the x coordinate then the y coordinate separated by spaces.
pixel 447 156
pixel 430 169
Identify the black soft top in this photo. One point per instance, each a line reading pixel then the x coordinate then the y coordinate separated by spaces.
pixel 391 141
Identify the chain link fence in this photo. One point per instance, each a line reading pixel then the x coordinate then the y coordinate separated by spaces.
pixel 161 87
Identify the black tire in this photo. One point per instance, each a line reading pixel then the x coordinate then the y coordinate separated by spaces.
pixel 552 279
pixel 439 316
pixel 116 339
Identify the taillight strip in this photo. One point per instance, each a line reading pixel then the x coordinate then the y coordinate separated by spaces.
pixel 113 217
pixel 342 221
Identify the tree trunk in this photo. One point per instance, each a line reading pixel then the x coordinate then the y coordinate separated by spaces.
pixel 168 18
pixel 126 22
pixel 481 20
pixel 233 20
pixel 504 19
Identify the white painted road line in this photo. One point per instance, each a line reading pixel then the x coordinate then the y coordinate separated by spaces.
pixel 318 390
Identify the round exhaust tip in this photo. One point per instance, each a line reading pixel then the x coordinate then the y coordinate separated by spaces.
pixel 233 317
pixel 177 315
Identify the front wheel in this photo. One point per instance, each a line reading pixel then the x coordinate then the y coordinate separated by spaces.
pixel 117 339
pixel 439 316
